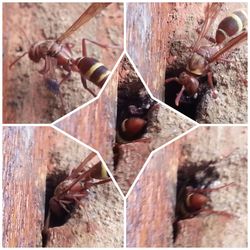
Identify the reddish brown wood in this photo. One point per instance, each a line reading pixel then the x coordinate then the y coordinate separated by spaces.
pixel 24 172
pixel 150 205
pixel 26 98
pixel 148 22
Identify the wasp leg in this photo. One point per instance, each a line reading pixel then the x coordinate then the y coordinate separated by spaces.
pixel 223 213
pixel 84 84
pixel 172 79
pixel 178 97
pixel 65 77
pixel 89 185
pixel 209 190
pixel 210 83
pixel 62 204
pixel 69 46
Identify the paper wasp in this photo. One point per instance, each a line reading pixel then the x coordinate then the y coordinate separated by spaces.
pixel 230 33
pixel 59 55
pixel 193 191
pixel 73 189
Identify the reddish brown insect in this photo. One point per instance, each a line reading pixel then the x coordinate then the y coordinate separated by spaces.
pixel 72 190
pixel 193 201
pixel 230 33
pixel 56 54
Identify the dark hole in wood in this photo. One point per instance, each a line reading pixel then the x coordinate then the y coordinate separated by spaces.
pixel 188 106
pixel 198 175
pixel 52 181
pixel 133 102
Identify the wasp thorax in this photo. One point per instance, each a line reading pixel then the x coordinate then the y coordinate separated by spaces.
pixel 197 64
pixel 196 201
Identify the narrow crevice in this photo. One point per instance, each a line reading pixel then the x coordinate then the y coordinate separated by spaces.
pixel 197 175
pixel 133 105
pixel 52 182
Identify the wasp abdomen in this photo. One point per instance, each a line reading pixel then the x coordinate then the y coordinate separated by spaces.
pixel 93 70
pixel 231 25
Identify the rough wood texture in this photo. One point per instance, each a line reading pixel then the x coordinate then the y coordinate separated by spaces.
pixel 95 123
pixel 24 172
pixel 147 22
pixel 150 204
pixel 145 215
pixel 26 97
pixel 28 153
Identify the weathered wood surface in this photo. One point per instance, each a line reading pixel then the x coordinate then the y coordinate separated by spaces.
pixel 26 97
pixel 28 153
pixel 25 161
pixel 147 42
pixel 150 205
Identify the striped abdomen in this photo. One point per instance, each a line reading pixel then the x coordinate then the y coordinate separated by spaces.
pixel 93 70
pixel 231 25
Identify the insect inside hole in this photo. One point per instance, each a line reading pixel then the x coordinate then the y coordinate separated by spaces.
pixel 193 190
pixel 230 33
pixel 73 189
pixel 59 55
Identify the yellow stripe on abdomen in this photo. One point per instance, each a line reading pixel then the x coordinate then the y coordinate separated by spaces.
pixel 92 69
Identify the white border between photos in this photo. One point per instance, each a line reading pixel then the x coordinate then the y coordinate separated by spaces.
pixel 51 125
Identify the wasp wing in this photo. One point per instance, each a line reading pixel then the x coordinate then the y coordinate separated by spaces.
pixel 228 46
pixel 211 12
pixel 93 10
pixel 81 168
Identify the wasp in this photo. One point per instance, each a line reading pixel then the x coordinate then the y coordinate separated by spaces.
pixel 193 191
pixel 230 33
pixel 58 55
pixel 73 189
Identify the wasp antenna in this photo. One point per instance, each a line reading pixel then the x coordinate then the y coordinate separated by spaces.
pixel 18 59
